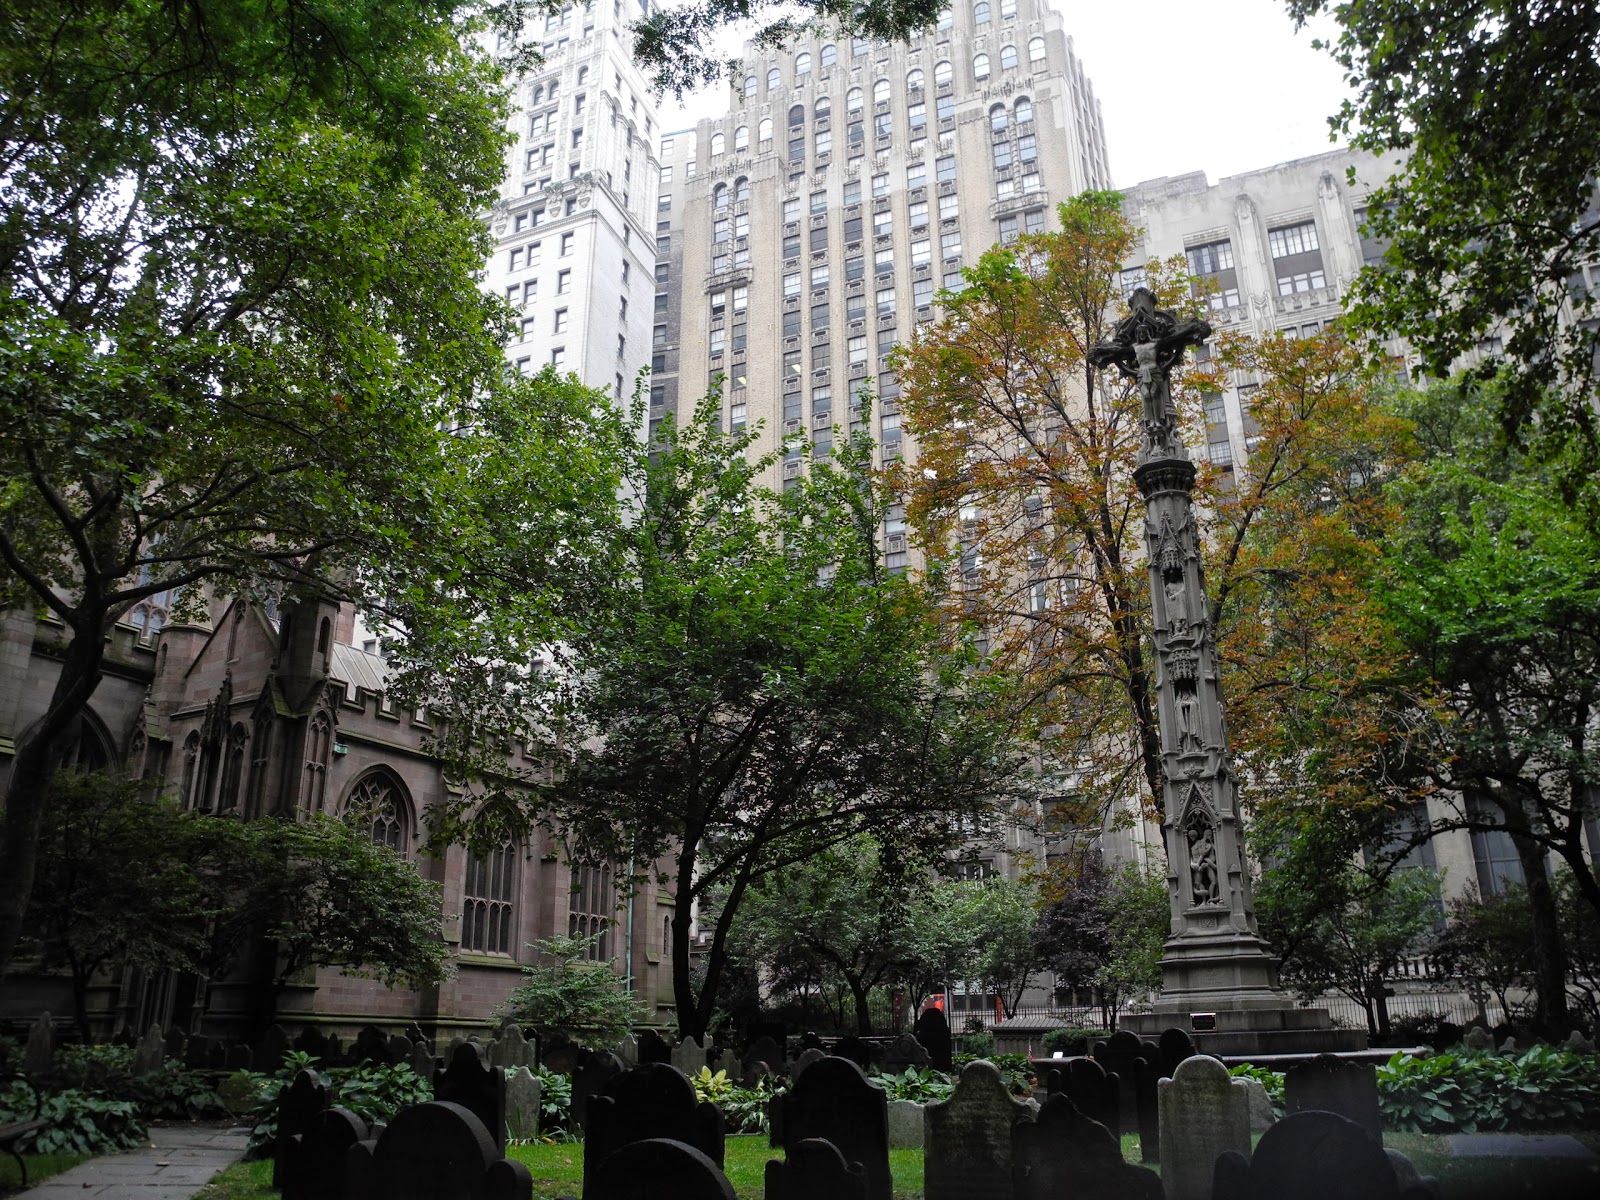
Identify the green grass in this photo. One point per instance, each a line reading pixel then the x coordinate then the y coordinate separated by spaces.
pixel 40 1168
pixel 242 1181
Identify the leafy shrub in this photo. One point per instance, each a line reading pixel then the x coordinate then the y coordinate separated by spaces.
pixel 1469 1091
pixel 979 1044
pixel 556 1123
pixel 1271 1080
pixel 922 1086
pixel 80 1123
pixel 373 1091
pixel 1072 1040
pixel 715 1088
pixel 1013 1069
pixel 171 1092
pixel 744 1110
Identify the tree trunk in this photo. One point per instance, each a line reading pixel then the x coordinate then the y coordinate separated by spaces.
pixel 863 1009
pixel 37 755
pixel 1550 1016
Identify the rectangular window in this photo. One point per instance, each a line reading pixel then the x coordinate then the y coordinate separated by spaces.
pixel 721 231
pixel 854 267
pixel 1010 228
pixel 918 212
pixel 824 142
pixel 857 351
pixel 791 364
pixel 1027 148
pixel 1002 155
pixel 821 400
pixel 880 184
pixel 1213 263
pixel 819 202
pixel 819 238
pixel 852 229
pixel 916 174
pixel 791 284
pixel 855 307
pixel 852 192
pixel 882 223
pixel 950 244
pixel 944 106
pixel 797 148
pixel 921 252
pixel 949 207
pixel 917 117
pixel 658 336
pixel 718 340
pixel 883 124
pixel 791 323
pixel 819 316
pixel 566 243
pixel 791 209
pixel 922 292
pixel 558 356
pixel 741 225
pixel 563 282
pixel 561 320
pixel 886 302
pixel 1293 239
pixel 741 298
pixel 791 245
pixel 739 337
pixel 944 169
pixel 819 276
pixel 1296 258
pixel 1033 220
pixel 883 261
pixel 666 173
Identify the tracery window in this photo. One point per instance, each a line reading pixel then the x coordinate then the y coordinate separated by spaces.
pixel 591 908
pixel 377 804
pixel 488 901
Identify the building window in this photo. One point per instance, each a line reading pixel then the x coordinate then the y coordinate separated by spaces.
pixel 980 66
pixel 1008 58
pixel 830 55
pixel 980 12
pixel 944 168
pixel 590 909
pixel 949 207
pixel 741 138
pixel 749 90
pixel 566 243
pixel 486 907
pixel 377 804
pixel 999 118
pixel 950 244
pixel 1036 50
pixel 1024 110
pixel 719 144
pixel 774 78
pixel 914 79
pixel 943 73
pixel 560 321
pixel 802 64
pixel 886 301
pixel 1494 854
pixel 1214 261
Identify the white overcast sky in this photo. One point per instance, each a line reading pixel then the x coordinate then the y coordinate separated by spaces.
pixel 1220 86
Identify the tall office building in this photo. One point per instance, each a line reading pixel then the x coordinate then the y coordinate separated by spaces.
pixel 574 228
pixel 805 233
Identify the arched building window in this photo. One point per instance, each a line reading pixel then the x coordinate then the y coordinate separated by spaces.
pixel 379 805
pixel 774 77
pixel 749 85
pixel 591 908
pixel 852 100
pixel 802 64
pixel 741 138
pixel 830 55
pixel 488 901
pixel 741 190
pixel 319 746
pixel 999 118
pixel 880 92
pixel 260 750
pixel 719 144
pixel 797 116
pixel 942 73
pixel 980 12
pixel 1036 49
pixel 764 130
pixel 233 769
pixel 980 66
pixel 1008 58
pixel 822 110
pixel 914 79
pixel 1024 110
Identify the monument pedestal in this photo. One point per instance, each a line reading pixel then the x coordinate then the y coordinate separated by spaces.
pixel 1286 1029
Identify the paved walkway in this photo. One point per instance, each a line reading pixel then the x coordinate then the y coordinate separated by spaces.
pixel 177 1163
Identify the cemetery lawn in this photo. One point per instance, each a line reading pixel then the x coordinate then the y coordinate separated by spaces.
pixel 40 1168
pixel 1498 1178
pixel 242 1181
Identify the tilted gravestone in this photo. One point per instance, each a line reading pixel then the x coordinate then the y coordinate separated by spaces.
pixel 689 1056
pixel 653 1048
pixel 323 1149
pixel 904 1052
pixel 815 1170
pixel 834 1101
pixel 433 1151
pixel 933 1031
pixel 627 1050
pixel 1310 1156
pixel 478 1088
pixel 41 1047
pixel 967 1148
pixel 1093 1089
pixel 1065 1154
pixel 150 1053
pixel 399 1048
pixel 590 1080
pixel 1336 1085
pixel 656 1169
pixel 1262 1116
pixel 523 1094
pixel 906 1125
pixel 371 1045
pixel 652 1101
pixel 302 1102
pixel 1204 1112
pixel 1136 1065
pixel 1174 1046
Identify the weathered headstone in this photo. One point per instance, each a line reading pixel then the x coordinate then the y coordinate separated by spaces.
pixel 1579 1044
pixel 653 1048
pixel 513 1049
pixel 1336 1085
pixel 1312 1156
pixel 590 1080
pixel 628 1050
pixel 314 1042
pixel 150 1053
pixel 523 1094
pixel 301 1104
pixel 906 1124
pixel 854 1049
pixel 1412 1184
pixel 565 1058
pixel 967 1151
pixel 239 1058
pixel 336 1051
pixel 399 1048
pixel 1174 1046
pixel 755 1072
pixel 272 1048
pixel 1094 1090
pixel 41 1047
pixel 933 1031
pixel 807 1057
pixel 478 1088
pixel 1136 1065
pixel 508 1180
pixel 450 1049
pixel 727 1062
pixel 903 1052
pixel 1204 1112
pixel 653 1101
pixel 422 1061
pixel 1065 1154
pixel 1509 1046
pixel 1478 1038
pixel 833 1100
pixel 689 1056
pixel 371 1045
pixel 428 1152
pixel 324 1147
pixel 815 1170
pixel 1262 1116
pixel 812 1040
pixel 656 1169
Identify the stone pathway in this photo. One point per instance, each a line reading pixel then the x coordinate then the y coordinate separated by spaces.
pixel 178 1162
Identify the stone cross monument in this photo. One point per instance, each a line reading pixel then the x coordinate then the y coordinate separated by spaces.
pixel 1214 962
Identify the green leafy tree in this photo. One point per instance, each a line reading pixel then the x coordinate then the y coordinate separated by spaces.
pixel 1005 915
pixel 1580 934
pixel 1103 929
pixel 242 338
pixel 574 995
pixel 1488 942
pixel 938 937
pixel 1492 216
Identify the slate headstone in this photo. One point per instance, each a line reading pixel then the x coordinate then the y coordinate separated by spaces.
pixel 523 1094
pixel 272 1048
pixel 833 1100
pixel 301 1104
pixel 815 1170
pixel 904 1051
pixel 478 1088
pixel 651 1101
pixel 1204 1111
pixel 513 1049
pixel 399 1048
pixel 324 1148
pixel 590 1080
pixel 150 1053
pixel 314 1042
pixel 689 1056
pixel 1509 1047
pixel 812 1040
pixel 1174 1046
pixel 336 1051
pixel 450 1049
pixel 1313 1156
pixel 41 1047
pixel 657 1169
pixel 653 1048
pixel 1063 1153
pixel 1262 1116
pixel 371 1045
pixel 628 1050
pixel 432 1151
pixel 239 1058
pixel 422 1061
pixel 967 1151
pixel 1094 1090
pixel 855 1050
pixel 1336 1085
pixel 906 1124
pixel 807 1057
pixel 1579 1044
pixel 933 1031
pixel 1478 1038
pixel 508 1179
pixel 1137 1066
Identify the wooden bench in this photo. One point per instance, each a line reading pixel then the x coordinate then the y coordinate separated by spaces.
pixel 12 1132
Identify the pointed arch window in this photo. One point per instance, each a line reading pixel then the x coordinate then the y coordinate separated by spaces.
pixel 233 769
pixel 489 901
pixel 592 908
pixel 378 805
pixel 319 746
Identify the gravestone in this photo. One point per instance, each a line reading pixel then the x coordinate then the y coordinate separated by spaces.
pixel 812 1040
pixel 967 1147
pixel 523 1093
pixel 933 1031
pixel 336 1051
pixel 590 1080
pixel 628 1050
pixel 1412 1185
pixel 1509 1046
pixel 903 1052
pixel 312 1041
pixel 41 1047
pixel 689 1056
pixel 855 1050
pixel 656 1169
pixel 1336 1085
pixel 755 1073
pixel 428 1152
pixel 807 1057
pixel 565 1059
pixel 150 1053
pixel 905 1124
pixel 1478 1038
pixel 450 1049
pixel 1262 1116
pixel 833 1100
pixel 815 1170
pixel 1136 1065
pixel 478 1088
pixel 272 1048
pixel 301 1104
pixel 513 1049
pixel 177 1044
pixel 653 1101
pixel 727 1062
pixel 768 1050
pixel 1174 1046
pixel 1094 1090
pixel 371 1045
pixel 415 1034
pixel 399 1048
pixel 508 1179
pixel 422 1062
pixel 1204 1111
pixel 197 1054
pixel 1579 1044
pixel 653 1048
pixel 324 1148
pixel 1065 1154
pixel 238 1058
pixel 1312 1156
